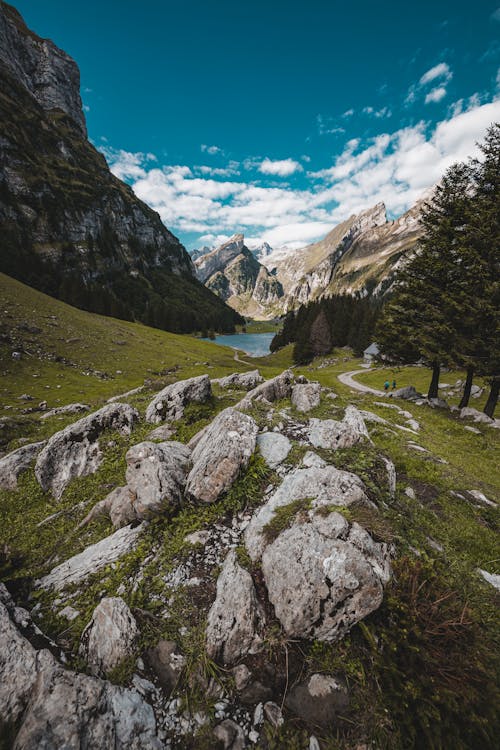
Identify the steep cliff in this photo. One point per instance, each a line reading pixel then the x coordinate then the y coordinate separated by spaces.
pixel 233 273
pixel 69 227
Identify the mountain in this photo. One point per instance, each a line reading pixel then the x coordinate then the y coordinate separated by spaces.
pixel 233 273
pixel 360 255
pixel 69 227
pixel 262 251
pixel 195 254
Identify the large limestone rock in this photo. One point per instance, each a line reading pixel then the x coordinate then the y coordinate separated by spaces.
pixel 331 434
pixel 240 380
pixel 75 452
pixel 223 450
pixel 169 404
pixel 51 707
pixel 273 447
pixel 322 483
pixel 409 392
pixel 306 396
pixel 110 636
pixel 15 463
pixel 156 475
pixel 323 576
pixel 478 416
pixel 271 390
pixel 92 559
pixel 235 616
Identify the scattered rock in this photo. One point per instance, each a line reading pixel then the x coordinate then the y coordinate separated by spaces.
pixel 306 397
pixel 74 451
pixel 25 397
pixel 167 662
pixel 125 395
pixel 331 434
pixel 169 404
pixel 237 380
pixel 235 615
pixel 391 475
pixel 319 700
pixel 223 450
pixel 271 390
pixel 491 578
pixel 163 432
pixel 242 676
pixel 323 577
pixel 438 403
pixel 325 485
pixel 273 714
pixel 68 409
pixel 13 464
pixel 53 707
pixel 478 416
pixel 472 429
pixel 231 735
pixel 92 559
pixel 410 492
pixel 481 498
pixel 110 636
pixel 274 447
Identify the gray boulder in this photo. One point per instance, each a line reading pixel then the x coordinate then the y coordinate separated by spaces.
pixel 235 616
pixel 237 380
pixel 319 700
pixel 478 416
pixel 218 457
pixel 15 463
pixel 68 409
pixel 323 576
pixel 271 390
pixel 75 452
pixel 168 405
pixel 53 707
pixel 231 735
pixel 92 559
pixel 322 483
pixel 306 396
pixel 331 434
pixel 273 447
pixel 167 662
pixel 110 636
pixel 164 432
pixel 409 393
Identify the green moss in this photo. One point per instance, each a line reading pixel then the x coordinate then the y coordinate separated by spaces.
pixel 284 517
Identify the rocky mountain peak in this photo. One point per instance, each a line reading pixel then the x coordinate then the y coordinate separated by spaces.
pixel 46 71
pixel 217 259
pixel 375 216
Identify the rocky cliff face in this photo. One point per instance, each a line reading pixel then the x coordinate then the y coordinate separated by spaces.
pixel 69 227
pixel 235 275
pixel 360 255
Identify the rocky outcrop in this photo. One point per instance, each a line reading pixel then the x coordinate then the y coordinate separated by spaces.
pixel 156 475
pixel 331 434
pixel 169 404
pixel 221 453
pixel 68 409
pixel 271 390
pixel 110 636
pixel 75 452
pixel 53 707
pixel 274 448
pixel 320 483
pixel 409 393
pixel 235 616
pixel 306 396
pixel 92 559
pixel 15 463
pixel 323 576
pixel 238 380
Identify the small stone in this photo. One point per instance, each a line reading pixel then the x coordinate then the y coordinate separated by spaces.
pixel 410 492
pixel 273 714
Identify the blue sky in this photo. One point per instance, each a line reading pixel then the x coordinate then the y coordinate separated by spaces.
pixel 279 119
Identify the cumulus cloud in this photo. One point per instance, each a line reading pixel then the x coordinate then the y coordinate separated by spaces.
pixel 435 95
pixel 280 167
pixel 393 167
pixel 438 71
pixel 212 150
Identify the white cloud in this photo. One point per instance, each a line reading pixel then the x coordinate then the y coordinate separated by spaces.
pixel 394 167
pixel 438 71
pixel 435 95
pixel 85 107
pixel 496 15
pixel 377 113
pixel 212 150
pixel 348 113
pixel 281 167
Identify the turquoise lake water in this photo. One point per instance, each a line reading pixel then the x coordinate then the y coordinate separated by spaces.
pixel 254 344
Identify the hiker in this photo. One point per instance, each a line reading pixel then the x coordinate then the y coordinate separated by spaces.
pixel 393 385
pixel 386 386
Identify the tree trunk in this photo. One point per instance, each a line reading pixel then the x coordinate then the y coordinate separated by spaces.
pixel 434 386
pixel 489 409
pixel 467 388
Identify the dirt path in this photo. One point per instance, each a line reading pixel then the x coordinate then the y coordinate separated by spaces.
pixel 347 379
